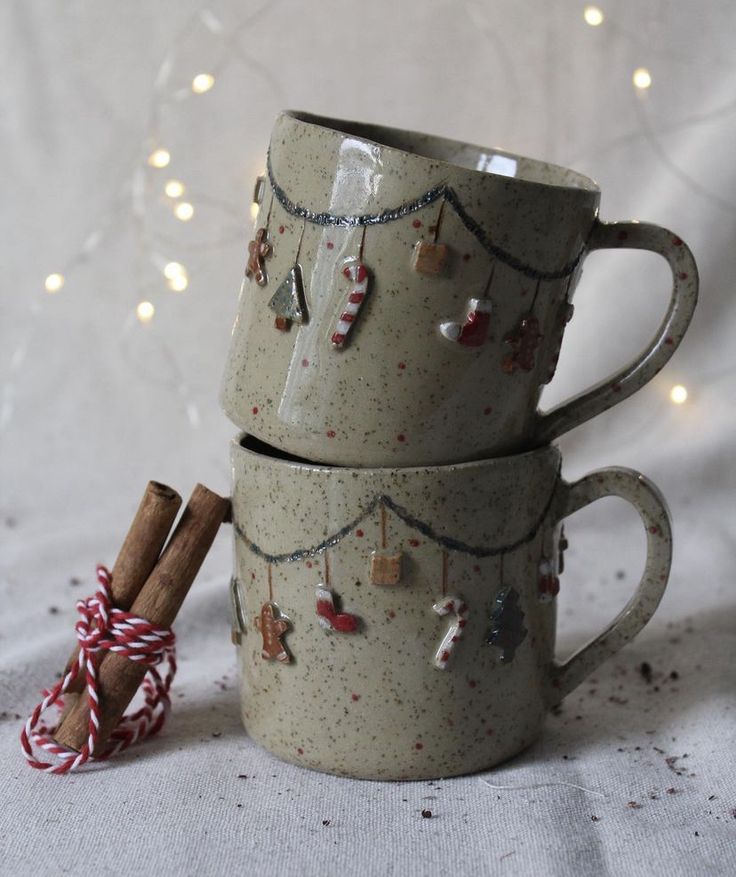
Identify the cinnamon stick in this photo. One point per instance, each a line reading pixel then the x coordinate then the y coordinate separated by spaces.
pixel 135 561
pixel 159 602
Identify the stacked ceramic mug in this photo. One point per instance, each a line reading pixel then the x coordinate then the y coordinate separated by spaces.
pixel 397 504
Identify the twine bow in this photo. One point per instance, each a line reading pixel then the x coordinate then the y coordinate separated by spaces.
pixel 102 627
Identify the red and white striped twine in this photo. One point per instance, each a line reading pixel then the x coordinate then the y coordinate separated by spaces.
pixel 103 627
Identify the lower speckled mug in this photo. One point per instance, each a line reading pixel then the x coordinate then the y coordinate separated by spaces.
pixel 400 623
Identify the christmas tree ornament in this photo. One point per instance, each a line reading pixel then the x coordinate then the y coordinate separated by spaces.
pixel 459 609
pixel 474 330
pixel 237 613
pixel 429 258
pixel 548 584
pixel 288 301
pixel 357 275
pixel 385 565
pixel 507 629
pixel 272 626
pixel 259 249
pixel 523 342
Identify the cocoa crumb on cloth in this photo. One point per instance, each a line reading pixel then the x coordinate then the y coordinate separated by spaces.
pixel 426 814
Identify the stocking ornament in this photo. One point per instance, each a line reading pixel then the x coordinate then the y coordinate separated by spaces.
pixel 472 332
pixel 329 617
pixel 548 584
pixel 357 274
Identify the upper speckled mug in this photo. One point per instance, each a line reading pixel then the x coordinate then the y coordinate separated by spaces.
pixel 406 296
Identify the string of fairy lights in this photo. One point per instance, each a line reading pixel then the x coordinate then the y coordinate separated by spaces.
pixel 157 158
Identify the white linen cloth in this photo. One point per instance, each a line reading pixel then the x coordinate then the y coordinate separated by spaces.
pixel 633 777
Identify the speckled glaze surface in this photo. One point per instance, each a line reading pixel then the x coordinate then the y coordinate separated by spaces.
pixel 470 257
pixel 449 670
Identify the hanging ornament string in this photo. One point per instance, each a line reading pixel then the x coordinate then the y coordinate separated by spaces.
pixel 102 628
pixel 436 228
pixel 442 190
pixel 410 520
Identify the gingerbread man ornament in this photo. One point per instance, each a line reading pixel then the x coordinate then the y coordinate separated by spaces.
pixel 258 250
pixel 272 628
pixel 523 342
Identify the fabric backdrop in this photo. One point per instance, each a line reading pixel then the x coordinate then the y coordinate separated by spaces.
pixel 636 775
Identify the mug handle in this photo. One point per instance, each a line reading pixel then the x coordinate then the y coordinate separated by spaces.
pixel 652 508
pixel 614 389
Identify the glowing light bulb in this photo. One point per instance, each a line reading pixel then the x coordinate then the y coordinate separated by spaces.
pixel 202 82
pixel 184 211
pixel 178 283
pixel 174 188
pixel 641 78
pixel 145 311
pixel 54 282
pixel 678 394
pixel 173 269
pixel 159 158
pixel 593 16
pixel 253 210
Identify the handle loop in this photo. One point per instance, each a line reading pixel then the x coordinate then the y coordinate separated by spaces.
pixel 614 389
pixel 652 508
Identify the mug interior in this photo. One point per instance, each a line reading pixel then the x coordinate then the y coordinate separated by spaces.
pixel 487 160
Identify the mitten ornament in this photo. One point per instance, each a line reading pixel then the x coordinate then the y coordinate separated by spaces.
pixel 473 332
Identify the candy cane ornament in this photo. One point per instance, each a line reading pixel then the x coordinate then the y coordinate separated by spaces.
pixel 357 274
pixel 454 632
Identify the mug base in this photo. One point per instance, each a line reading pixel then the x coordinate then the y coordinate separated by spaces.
pixel 425 769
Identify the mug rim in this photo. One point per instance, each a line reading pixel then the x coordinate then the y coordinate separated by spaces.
pixel 237 443
pixel 369 132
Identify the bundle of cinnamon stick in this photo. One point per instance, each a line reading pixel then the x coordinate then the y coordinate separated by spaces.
pixel 152 584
